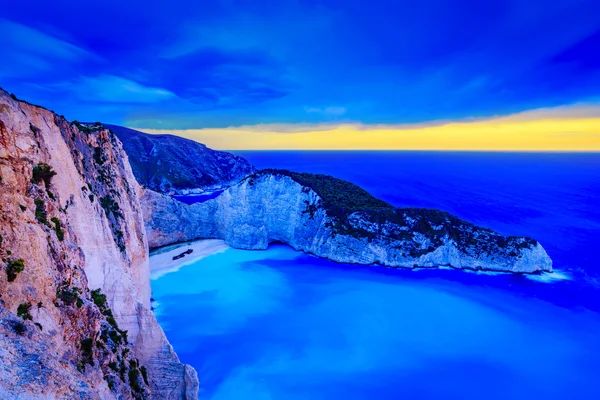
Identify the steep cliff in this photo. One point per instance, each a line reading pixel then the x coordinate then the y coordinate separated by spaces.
pixel 339 221
pixel 74 285
pixel 172 164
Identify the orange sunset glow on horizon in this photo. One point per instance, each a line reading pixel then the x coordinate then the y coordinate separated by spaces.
pixel 562 129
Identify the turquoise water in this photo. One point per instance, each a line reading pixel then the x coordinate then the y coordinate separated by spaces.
pixel 278 324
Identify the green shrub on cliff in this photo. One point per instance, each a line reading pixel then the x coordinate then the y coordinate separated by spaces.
pixel 23 311
pixel 68 295
pixel 60 234
pixel 42 172
pixel 134 375
pixel 99 299
pixel 144 372
pixel 13 268
pixel 18 327
pixel 337 194
pixel 99 156
pixel 110 206
pixel 40 212
pixel 88 128
pixel 341 199
pixel 87 350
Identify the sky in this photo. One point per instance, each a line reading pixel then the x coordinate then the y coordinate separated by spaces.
pixel 308 74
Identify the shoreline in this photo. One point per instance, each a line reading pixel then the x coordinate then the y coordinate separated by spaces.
pixel 162 263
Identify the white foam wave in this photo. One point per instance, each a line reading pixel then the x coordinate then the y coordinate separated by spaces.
pixel 551 277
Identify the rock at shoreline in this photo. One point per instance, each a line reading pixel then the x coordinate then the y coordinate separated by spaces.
pixel 337 220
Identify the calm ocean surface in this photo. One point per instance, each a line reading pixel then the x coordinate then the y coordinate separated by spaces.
pixel 278 324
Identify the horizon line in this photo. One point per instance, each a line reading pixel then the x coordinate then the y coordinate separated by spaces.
pixel 520 133
pixel 430 151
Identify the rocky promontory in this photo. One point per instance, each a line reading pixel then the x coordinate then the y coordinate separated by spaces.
pixel 337 220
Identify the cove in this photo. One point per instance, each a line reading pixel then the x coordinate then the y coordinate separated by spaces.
pixel 278 324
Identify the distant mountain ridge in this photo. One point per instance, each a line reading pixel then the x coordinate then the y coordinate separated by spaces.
pixel 172 164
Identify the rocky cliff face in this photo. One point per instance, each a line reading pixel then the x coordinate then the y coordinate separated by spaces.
pixel 171 164
pixel 286 207
pixel 74 279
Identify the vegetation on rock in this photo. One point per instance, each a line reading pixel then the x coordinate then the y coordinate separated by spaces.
pixel 134 375
pixel 13 268
pixel 43 172
pixel 40 211
pixel 337 194
pixel 99 156
pixel 99 299
pixel 19 327
pixel 88 128
pixel 87 350
pixel 144 372
pixel 58 229
pixel 116 335
pixel 23 311
pixel 68 295
pixel 110 206
pixel 353 211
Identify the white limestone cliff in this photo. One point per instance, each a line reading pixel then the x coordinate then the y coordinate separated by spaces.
pixel 95 241
pixel 272 207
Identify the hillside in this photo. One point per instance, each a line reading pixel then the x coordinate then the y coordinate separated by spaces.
pixel 344 201
pixel 172 164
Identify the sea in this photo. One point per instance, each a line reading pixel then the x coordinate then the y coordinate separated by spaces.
pixel 280 324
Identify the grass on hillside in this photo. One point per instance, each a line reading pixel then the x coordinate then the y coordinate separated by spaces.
pixel 341 199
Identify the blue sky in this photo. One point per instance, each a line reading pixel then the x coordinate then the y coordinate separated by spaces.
pixel 197 64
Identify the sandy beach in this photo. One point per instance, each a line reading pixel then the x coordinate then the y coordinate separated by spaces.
pixel 162 263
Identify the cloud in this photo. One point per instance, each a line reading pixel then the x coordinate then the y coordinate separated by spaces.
pixel 535 131
pixel 287 128
pixel 246 63
pixel 570 111
pixel 113 89
pixel 331 111
pixel 27 52
pixel 212 78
